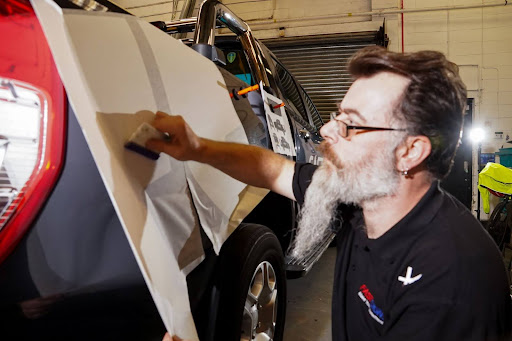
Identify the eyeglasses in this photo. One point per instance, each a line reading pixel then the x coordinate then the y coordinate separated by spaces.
pixel 343 128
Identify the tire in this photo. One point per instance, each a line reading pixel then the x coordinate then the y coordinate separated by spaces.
pixel 500 223
pixel 250 307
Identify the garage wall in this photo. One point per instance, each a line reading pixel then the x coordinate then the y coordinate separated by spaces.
pixel 303 17
pixel 155 10
pixel 295 9
pixel 479 41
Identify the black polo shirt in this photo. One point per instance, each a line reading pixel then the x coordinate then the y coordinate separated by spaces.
pixel 435 275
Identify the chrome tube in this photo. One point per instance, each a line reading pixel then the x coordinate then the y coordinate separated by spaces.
pixel 254 55
pixel 211 11
pixel 206 20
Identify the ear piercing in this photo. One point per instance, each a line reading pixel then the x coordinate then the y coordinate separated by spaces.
pixel 405 172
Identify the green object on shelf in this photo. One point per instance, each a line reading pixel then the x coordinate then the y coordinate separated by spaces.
pixel 505 155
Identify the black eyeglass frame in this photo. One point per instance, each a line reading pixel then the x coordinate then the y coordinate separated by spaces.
pixel 349 127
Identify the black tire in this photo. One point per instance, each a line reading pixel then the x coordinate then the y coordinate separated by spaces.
pixel 495 217
pixel 500 222
pixel 248 253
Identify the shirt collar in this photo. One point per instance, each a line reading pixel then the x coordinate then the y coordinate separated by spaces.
pixel 397 237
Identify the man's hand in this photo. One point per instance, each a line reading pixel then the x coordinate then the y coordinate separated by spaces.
pixel 252 165
pixel 183 144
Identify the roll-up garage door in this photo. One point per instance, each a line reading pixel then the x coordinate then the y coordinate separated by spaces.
pixel 319 63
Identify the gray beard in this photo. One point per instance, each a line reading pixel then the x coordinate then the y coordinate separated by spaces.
pixel 361 182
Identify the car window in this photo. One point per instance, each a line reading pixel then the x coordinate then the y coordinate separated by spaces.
pixel 291 91
pixel 315 115
pixel 237 64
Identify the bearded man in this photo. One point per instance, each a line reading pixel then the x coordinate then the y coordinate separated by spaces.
pixel 412 263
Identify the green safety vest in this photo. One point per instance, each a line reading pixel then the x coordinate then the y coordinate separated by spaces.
pixel 496 177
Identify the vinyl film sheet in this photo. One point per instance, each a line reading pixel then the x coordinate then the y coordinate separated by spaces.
pixel 119 70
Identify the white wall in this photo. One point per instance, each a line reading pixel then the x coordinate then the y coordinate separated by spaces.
pixel 303 17
pixel 154 10
pixel 479 41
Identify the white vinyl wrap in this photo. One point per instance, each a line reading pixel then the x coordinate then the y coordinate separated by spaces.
pixel 118 71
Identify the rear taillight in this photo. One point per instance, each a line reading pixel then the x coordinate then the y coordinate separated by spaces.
pixel 32 121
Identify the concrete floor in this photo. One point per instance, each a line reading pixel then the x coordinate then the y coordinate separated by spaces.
pixel 308 315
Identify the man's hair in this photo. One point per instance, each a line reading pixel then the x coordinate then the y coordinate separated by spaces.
pixel 432 105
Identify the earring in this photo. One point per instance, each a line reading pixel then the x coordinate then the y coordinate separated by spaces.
pixel 405 172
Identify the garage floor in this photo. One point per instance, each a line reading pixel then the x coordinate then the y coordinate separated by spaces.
pixel 308 315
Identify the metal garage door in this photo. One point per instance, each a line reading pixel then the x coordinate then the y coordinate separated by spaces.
pixel 319 63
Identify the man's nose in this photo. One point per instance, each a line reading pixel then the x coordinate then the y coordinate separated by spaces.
pixel 329 132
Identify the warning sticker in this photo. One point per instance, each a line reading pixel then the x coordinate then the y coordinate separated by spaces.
pixel 278 126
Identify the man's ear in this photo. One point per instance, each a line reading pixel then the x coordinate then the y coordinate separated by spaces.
pixel 412 152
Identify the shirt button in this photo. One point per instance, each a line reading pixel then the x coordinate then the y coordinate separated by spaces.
pixel 367 249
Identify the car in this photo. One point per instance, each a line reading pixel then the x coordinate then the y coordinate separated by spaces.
pixel 67 271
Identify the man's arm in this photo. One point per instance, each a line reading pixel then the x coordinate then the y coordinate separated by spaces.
pixel 252 165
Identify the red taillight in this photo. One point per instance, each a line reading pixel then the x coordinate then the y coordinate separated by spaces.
pixel 32 121
pixel 11 7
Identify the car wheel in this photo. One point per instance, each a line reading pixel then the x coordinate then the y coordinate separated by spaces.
pixel 499 223
pixel 252 286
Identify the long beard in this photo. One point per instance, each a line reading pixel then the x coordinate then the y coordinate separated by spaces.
pixel 361 182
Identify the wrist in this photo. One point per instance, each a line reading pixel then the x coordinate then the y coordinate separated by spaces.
pixel 200 150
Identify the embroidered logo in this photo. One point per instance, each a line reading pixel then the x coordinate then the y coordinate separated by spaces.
pixel 367 297
pixel 408 279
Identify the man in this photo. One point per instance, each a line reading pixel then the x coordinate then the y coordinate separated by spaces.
pixel 413 263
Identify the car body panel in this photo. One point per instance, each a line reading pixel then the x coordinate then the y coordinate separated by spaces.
pixel 74 272
pixel 75 261
pixel 160 203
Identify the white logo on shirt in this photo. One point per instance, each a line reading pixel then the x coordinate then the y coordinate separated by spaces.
pixel 408 279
